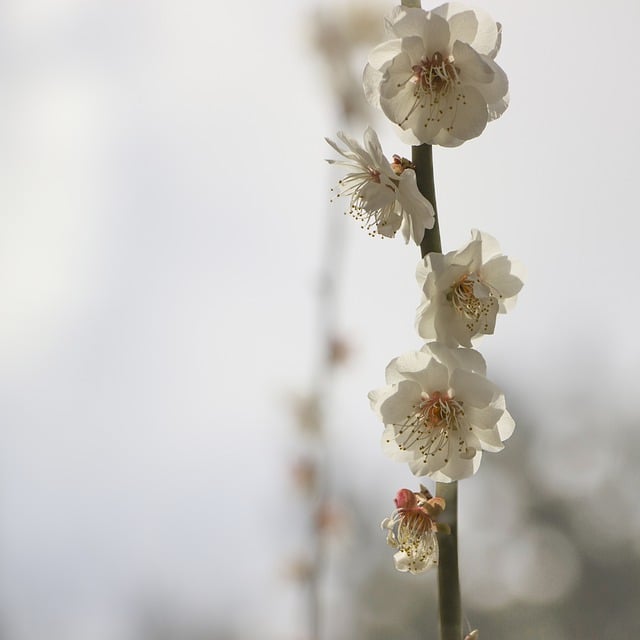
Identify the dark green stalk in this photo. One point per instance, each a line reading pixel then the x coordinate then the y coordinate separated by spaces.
pixel 448 581
pixel 422 158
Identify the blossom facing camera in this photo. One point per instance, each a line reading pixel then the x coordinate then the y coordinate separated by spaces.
pixel 412 528
pixel 464 290
pixel 436 77
pixel 440 412
pixel 383 196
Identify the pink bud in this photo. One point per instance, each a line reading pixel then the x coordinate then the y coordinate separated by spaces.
pixel 406 499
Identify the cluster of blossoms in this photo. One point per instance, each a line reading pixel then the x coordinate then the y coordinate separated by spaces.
pixel 439 409
pixel 436 80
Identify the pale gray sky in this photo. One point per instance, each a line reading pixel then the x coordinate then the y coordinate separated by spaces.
pixel 163 203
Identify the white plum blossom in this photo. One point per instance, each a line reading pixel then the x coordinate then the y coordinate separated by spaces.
pixel 440 412
pixel 464 290
pixel 412 529
pixel 384 196
pixel 436 77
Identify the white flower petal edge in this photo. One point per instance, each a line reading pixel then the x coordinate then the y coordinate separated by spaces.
pixel 440 412
pixel 464 290
pixel 384 197
pixel 436 77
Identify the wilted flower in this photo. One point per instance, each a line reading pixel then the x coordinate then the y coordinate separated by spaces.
pixel 440 412
pixel 384 197
pixel 412 529
pixel 464 290
pixel 436 77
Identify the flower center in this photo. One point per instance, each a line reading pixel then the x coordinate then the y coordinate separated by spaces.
pixel 436 89
pixel 434 76
pixel 435 425
pixel 475 301
pixel 370 214
pixel 439 411
pixel 414 523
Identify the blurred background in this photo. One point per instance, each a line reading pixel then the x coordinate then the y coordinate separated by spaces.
pixel 189 329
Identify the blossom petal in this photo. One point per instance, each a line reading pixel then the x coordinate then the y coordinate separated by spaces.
pixel 406 364
pixel 471 360
pixel 378 396
pixel 377 196
pixel 473 388
pixel 460 468
pixel 470 256
pixel 489 35
pixel 371 81
pixel 463 25
pixel 436 34
pixel 415 204
pixel 489 246
pixel 373 146
pixel 486 38
pixel 491 440
pixel 458 471
pixel 483 419
pixel 413 46
pixel 426 465
pixel 425 320
pixel 384 53
pixel 506 425
pixel 397 407
pixel 471 114
pixel 405 22
pixel 390 446
pixel 497 272
pixel 497 92
pixel 473 66
pixel 390 227
pixel 451 328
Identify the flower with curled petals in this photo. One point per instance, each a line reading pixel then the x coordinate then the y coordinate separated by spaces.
pixel 384 196
pixel 464 290
pixel 440 412
pixel 412 528
pixel 436 77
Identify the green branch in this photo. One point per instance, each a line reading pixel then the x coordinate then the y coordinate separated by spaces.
pixel 448 580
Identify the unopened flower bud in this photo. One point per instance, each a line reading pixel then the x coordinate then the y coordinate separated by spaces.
pixel 399 164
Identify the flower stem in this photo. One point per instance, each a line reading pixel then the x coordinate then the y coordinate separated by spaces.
pixel 449 602
pixel 422 158
pixel 448 580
